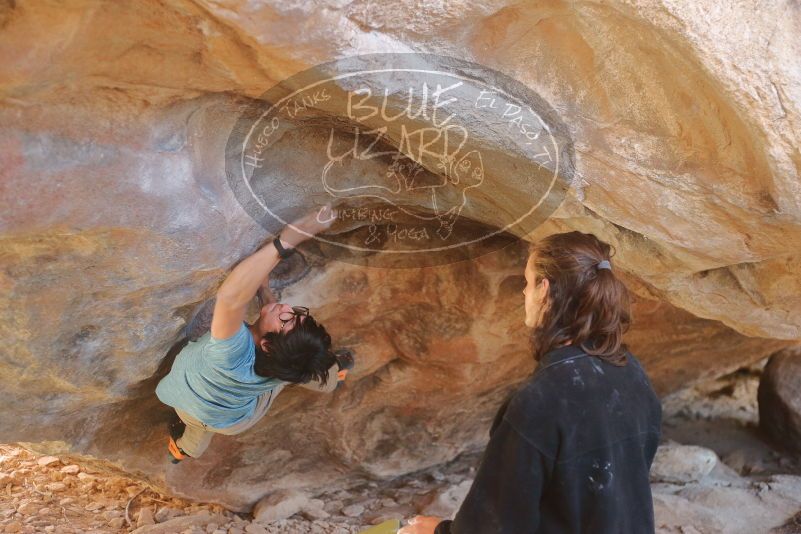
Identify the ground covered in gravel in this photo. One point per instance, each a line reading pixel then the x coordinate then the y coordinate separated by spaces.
pixel 714 474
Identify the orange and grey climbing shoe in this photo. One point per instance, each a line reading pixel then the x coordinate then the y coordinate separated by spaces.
pixel 176 453
pixel 176 427
pixel 345 362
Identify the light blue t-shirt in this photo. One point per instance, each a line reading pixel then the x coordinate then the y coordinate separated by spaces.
pixel 213 379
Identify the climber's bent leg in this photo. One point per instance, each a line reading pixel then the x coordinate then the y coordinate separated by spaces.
pixel 196 437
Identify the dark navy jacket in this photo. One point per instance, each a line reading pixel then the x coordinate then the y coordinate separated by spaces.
pixel 569 453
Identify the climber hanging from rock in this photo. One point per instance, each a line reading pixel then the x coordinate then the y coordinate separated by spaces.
pixel 226 381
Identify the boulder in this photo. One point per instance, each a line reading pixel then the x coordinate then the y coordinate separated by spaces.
pixel 166 513
pixel 145 517
pixel 446 503
pixel 725 502
pixel 353 510
pixel 178 524
pixel 281 505
pixel 255 528
pixel 779 398
pixel 682 464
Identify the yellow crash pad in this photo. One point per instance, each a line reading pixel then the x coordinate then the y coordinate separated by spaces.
pixel 387 527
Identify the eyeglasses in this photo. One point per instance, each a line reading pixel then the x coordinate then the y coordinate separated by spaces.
pixel 297 311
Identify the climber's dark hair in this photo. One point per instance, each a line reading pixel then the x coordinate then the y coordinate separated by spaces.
pixel 299 356
pixel 587 305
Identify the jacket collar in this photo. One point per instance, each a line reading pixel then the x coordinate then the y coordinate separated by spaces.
pixel 560 354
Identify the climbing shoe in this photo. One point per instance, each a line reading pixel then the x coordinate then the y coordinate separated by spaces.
pixel 176 428
pixel 345 362
pixel 176 453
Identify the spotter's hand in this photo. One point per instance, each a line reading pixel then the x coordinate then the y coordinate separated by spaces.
pixel 421 525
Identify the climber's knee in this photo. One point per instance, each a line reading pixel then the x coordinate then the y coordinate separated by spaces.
pixel 195 441
pixel 189 435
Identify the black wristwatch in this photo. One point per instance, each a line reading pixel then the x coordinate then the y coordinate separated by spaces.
pixel 284 253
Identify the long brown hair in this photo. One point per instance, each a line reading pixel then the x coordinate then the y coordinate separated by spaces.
pixel 585 304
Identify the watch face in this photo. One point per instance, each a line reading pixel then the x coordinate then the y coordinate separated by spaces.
pixel 284 253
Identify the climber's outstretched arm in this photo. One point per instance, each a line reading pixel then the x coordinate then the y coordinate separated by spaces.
pixel 245 279
pixel 238 290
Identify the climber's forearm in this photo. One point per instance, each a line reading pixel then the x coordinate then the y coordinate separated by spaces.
pixel 245 279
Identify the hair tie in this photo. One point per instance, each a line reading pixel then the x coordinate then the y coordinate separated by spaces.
pixel 604 265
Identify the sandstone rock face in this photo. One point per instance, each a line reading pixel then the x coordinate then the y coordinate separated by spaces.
pixel 446 503
pixel 118 221
pixel 780 399
pixel 728 504
pixel 280 505
pixel 681 464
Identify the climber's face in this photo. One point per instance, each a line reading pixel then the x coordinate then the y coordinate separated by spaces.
pixel 535 294
pixel 272 318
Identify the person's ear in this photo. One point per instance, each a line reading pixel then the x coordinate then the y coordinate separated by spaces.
pixel 543 289
pixel 263 344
